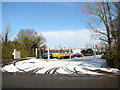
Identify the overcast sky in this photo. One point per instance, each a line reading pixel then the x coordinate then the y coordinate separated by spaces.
pixel 60 23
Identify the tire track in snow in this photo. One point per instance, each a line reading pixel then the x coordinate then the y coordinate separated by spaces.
pixel 35 70
pixel 14 63
pixel 54 72
pixel 30 71
pixel 52 69
pixel 66 69
pixel 77 72
pixel 99 71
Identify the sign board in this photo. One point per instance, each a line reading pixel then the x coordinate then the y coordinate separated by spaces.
pixel 46 49
pixel 96 46
pixel 16 54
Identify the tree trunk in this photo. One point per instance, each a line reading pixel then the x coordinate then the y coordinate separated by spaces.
pixel 118 35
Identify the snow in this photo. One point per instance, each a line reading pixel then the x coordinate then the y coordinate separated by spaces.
pixel 10 68
pixel 82 65
pixel 62 71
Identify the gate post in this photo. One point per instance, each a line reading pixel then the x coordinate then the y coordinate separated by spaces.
pixel 36 52
pixel 48 53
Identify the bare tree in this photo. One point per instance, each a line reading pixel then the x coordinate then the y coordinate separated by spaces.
pixel 103 14
pixel 7 46
pixel 5 36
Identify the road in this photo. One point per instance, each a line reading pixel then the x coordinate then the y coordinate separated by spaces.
pixel 27 80
pixel 78 73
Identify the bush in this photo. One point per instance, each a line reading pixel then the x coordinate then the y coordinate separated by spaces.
pixel 7 50
pixel 112 61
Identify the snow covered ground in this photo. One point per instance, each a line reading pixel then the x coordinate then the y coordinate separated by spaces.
pixel 76 66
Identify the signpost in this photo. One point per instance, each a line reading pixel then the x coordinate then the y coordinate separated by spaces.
pixel 95 49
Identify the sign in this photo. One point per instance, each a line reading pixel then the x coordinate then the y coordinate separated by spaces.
pixel 96 46
pixel 46 49
pixel 16 54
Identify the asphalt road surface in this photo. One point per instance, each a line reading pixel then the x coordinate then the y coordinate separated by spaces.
pixel 27 80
